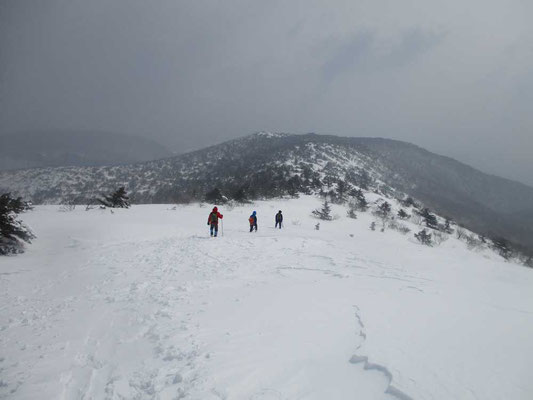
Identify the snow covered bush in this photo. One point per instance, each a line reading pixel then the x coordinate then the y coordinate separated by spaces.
pixel 397 226
pixel 424 237
pixel 410 202
pixel 352 207
pixel 439 237
pixel 502 247
pixel 13 232
pixel 429 219
pixel 527 260
pixel 358 201
pixel 473 242
pixel 447 227
pixel 67 206
pixel 351 213
pixel 461 233
pixel 402 214
pixel 383 212
pixel 416 219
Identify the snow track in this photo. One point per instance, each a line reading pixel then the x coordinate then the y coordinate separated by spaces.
pixel 142 304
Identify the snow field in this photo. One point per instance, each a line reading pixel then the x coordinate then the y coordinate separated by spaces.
pixel 143 304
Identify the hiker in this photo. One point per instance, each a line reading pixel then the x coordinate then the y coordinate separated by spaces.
pixel 279 219
pixel 212 220
pixel 253 221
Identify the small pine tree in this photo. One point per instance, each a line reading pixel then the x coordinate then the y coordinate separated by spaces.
pixel 351 213
pixel 360 203
pixel 118 199
pixel 383 212
pixel 410 202
pixel 429 219
pixel 402 214
pixel 341 191
pixel 447 226
pixel 502 247
pixel 423 237
pixel 373 226
pixel 324 213
pixel 12 230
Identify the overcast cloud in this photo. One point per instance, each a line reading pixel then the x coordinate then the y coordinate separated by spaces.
pixel 454 76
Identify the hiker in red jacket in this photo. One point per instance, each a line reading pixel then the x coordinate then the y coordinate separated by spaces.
pixel 213 221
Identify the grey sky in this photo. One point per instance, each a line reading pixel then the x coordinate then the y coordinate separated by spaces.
pixel 454 76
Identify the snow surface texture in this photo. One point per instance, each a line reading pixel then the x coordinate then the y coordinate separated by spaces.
pixel 143 304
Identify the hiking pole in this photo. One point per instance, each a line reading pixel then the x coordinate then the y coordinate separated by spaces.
pixel 222 226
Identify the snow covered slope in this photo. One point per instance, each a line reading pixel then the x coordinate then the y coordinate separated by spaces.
pixel 269 165
pixel 142 304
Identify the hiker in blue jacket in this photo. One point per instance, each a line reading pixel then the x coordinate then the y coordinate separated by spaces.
pixel 279 219
pixel 253 221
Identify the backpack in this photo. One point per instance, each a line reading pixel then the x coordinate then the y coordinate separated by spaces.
pixel 213 218
pixel 252 221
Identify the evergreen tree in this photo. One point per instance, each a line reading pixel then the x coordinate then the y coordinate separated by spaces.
pixel 429 219
pixel 448 228
pixel 341 191
pixel 360 201
pixel 502 247
pixel 410 202
pixel 118 199
pixel 373 226
pixel 324 213
pixel 12 230
pixel 383 211
pixel 402 214
pixel 423 237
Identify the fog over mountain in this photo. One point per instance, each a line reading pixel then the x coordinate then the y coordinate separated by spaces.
pixel 454 76
pixel 75 148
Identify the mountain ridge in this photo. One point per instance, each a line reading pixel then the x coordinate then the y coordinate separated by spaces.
pixel 266 165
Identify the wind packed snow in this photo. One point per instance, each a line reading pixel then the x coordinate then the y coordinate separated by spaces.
pixel 143 304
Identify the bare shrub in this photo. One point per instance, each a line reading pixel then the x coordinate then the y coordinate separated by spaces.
pixel 417 219
pixel 461 233
pixel 473 242
pixel 398 226
pixel 67 206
